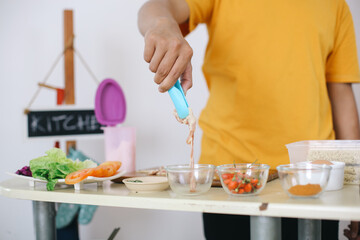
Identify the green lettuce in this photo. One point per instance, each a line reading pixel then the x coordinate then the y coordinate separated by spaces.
pixel 55 165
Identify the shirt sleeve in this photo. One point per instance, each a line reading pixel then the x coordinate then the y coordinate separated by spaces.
pixel 200 12
pixel 342 63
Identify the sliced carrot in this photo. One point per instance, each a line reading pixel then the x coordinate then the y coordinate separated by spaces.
pixel 116 164
pixel 106 169
pixel 103 171
pixel 78 176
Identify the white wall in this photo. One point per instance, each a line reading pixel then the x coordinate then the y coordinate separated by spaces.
pixel 107 37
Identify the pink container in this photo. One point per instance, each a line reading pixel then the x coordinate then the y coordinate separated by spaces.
pixel 120 146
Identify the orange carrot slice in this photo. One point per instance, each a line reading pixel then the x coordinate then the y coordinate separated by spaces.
pixel 115 164
pixel 106 169
pixel 78 176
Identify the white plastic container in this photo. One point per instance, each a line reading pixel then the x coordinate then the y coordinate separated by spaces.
pixel 336 176
pixel 336 179
pixel 346 151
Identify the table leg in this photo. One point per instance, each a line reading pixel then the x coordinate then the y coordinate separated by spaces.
pixel 44 220
pixel 270 228
pixel 309 229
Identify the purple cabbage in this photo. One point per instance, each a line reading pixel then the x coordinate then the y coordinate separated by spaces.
pixel 25 171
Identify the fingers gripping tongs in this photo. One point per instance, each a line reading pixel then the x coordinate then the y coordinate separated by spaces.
pixel 178 97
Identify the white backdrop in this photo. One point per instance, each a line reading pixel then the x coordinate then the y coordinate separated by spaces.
pixel 31 36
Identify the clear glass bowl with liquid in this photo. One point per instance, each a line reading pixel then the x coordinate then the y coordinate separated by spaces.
pixel 185 180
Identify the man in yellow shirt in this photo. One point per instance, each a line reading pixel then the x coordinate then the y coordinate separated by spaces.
pixel 277 71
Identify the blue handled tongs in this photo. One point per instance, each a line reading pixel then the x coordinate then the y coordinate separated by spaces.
pixel 178 97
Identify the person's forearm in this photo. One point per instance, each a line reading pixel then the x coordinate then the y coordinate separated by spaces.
pixel 167 52
pixel 345 115
pixel 152 12
pixel 346 126
pixel 155 11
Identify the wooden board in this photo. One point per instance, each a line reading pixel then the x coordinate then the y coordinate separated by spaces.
pixel 273 174
pixel 69 57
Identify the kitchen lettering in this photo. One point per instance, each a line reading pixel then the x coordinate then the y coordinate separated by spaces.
pixel 62 123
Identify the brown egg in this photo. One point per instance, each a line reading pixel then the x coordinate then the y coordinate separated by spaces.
pixel 322 162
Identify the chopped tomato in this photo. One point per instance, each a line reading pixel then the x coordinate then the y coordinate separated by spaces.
pixel 254 181
pixel 227 176
pixel 232 185
pixel 240 182
pixel 227 181
pixel 248 187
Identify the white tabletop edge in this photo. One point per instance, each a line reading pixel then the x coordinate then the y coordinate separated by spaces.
pixel 153 201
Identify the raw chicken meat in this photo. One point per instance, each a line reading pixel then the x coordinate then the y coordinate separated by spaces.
pixel 190 120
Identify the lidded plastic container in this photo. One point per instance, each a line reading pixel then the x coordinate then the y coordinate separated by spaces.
pixel 347 151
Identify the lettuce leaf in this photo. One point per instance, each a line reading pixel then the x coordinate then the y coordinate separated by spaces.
pixel 55 165
pixel 83 164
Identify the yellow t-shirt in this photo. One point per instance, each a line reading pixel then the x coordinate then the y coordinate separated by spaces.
pixel 266 66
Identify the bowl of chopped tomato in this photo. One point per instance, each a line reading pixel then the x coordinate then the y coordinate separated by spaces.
pixel 243 179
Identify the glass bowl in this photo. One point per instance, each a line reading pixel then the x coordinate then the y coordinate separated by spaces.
pixel 185 180
pixel 304 180
pixel 243 179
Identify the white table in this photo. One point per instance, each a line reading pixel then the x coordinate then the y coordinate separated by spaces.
pixel 265 208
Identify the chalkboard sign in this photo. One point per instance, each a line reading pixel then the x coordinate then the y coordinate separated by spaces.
pixel 60 123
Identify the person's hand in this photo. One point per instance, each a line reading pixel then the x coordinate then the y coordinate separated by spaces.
pixel 353 232
pixel 168 54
